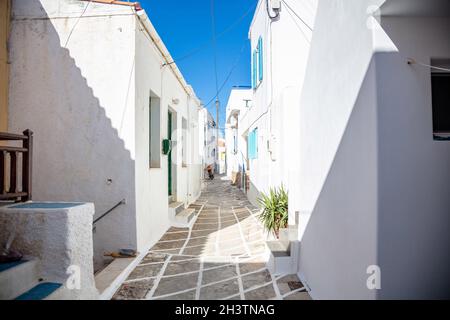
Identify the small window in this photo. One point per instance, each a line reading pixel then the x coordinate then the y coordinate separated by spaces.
pixel 155 132
pixel 440 84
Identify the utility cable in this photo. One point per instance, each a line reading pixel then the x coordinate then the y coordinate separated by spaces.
pixel 229 74
pixel 213 30
pixel 76 23
pixel 268 12
pixel 297 15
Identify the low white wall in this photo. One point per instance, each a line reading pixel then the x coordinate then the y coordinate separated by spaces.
pixel 286 48
pixel 61 240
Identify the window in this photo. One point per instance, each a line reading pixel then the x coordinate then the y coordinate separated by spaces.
pixel 257 64
pixel 253 144
pixel 184 142
pixel 440 84
pixel 154 132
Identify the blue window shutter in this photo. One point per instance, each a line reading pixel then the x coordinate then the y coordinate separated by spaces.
pixel 260 59
pixel 254 70
pixel 255 137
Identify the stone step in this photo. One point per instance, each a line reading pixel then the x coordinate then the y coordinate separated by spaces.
pixel 185 216
pixel 17 277
pixel 109 279
pixel 41 291
pixel 176 207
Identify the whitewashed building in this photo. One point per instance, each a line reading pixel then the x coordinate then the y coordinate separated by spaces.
pixel 114 121
pixel 349 112
pixel 207 139
pixel 239 103
pixel 222 156
pixel 268 124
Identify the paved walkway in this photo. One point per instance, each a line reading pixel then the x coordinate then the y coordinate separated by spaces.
pixel 222 256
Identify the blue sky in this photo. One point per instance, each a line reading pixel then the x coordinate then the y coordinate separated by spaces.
pixel 186 25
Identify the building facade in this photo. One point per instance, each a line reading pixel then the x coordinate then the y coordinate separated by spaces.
pixel 98 87
pixel 348 113
pixel 5 11
pixel 207 139
pixel 239 103
pixel 268 125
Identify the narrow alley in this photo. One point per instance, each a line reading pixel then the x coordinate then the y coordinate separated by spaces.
pixel 222 256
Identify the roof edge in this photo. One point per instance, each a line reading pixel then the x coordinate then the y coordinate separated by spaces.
pixel 136 5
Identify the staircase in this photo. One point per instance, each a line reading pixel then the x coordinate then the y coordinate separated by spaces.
pixel 283 257
pixel 20 281
pixel 181 217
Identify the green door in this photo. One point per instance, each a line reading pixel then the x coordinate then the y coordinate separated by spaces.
pixel 169 155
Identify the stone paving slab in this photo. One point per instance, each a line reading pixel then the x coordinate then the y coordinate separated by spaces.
pixel 222 256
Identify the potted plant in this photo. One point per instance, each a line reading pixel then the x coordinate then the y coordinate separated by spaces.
pixel 274 215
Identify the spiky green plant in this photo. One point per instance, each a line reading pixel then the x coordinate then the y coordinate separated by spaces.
pixel 275 209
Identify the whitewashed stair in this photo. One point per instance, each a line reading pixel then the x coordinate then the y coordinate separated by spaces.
pixel 22 281
pixel 283 257
pixel 185 218
pixel 181 217
pixel 174 209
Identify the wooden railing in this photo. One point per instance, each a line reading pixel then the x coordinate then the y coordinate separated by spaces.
pixel 16 166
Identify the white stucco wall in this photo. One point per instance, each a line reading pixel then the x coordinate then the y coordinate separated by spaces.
pixel 208 141
pixel 49 235
pixel 88 105
pixel 79 102
pixel 372 176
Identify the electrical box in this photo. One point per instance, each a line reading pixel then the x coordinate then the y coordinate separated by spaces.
pixel 276 5
pixel 166 146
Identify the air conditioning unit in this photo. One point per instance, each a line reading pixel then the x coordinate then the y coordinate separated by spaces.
pixel 276 5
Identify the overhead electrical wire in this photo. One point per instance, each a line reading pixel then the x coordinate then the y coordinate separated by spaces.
pixel 76 23
pixel 218 35
pixel 229 74
pixel 413 61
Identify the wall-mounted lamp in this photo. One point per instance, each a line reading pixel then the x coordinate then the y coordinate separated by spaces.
pixel 175 101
